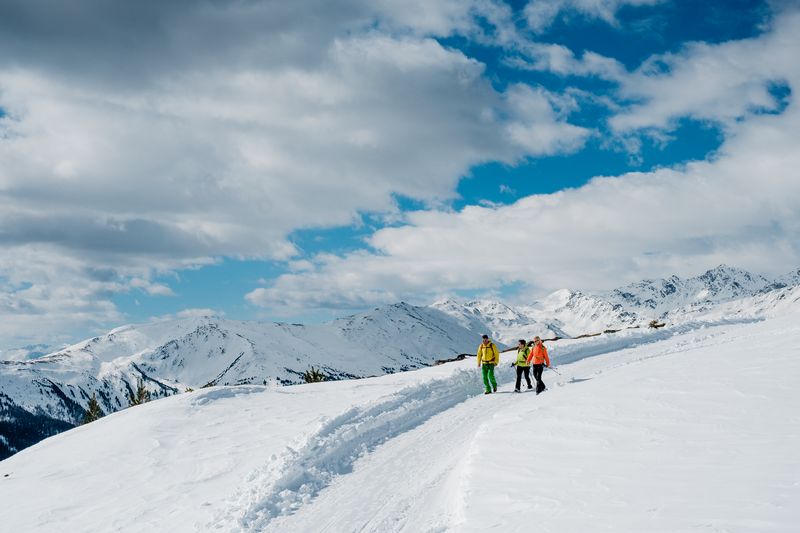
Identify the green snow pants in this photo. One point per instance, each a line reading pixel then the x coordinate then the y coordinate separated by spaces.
pixel 488 375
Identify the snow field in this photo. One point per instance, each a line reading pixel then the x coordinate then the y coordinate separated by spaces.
pixel 687 429
pixel 699 433
pixel 173 462
pixel 307 466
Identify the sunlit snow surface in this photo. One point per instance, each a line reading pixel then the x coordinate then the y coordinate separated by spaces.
pixel 682 429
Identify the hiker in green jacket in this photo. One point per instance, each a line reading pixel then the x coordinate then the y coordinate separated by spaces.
pixel 522 365
pixel 488 358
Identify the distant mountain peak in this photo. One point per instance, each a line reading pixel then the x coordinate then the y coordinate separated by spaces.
pixel 190 352
pixel 659 296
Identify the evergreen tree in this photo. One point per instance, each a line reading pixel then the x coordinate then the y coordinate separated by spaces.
pixel 94 412
pixel 142 395
pixel 315 376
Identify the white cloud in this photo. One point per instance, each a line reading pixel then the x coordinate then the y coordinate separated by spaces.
pixel 151 288
pixel 723 83
pixel 188 313
pixel 45 296
pixel 49 297
pixel 720 83
pixel 538 128
pixel 195 313
pixel 561 60
pixel 229 126
pixel 739 209
pixel 228 164
pixel 540 14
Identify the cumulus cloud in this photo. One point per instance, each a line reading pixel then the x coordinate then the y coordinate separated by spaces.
pixel 714 83
pixel 561 60
pixel 185 173
pixel 721 83
pixel 45 297
pixel 739 207
pixel 150 288
pixel 163 134
pixel 139 138
pixel 158 167
pixel 540 14
pixel 539 129
pixel 188 313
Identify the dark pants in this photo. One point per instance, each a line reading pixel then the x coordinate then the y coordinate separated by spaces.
pixel 537 375
pixel 523 370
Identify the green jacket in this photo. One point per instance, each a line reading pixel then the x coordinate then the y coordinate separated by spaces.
pixel 522 356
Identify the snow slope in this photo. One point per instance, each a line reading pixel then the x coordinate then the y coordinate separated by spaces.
pixel 687 428
pixel 172 356
pixel 46 395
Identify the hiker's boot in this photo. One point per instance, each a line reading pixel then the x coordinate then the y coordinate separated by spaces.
pixel 495 389
pixel 488 392
pixel 516 390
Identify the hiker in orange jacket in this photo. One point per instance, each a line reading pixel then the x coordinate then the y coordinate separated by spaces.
pixel 488 358
pixel 538 356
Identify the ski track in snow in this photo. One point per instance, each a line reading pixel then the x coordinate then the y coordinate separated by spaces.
pixel 289 481
pixel 400 485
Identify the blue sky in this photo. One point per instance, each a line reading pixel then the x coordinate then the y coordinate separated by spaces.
pixel 254 162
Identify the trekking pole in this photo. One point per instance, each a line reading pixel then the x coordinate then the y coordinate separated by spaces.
pixel 554 370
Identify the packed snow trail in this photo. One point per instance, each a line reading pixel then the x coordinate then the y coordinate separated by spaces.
pixel 408 480
pixel 388 430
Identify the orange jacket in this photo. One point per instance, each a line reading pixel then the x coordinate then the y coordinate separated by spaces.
pixel 538 355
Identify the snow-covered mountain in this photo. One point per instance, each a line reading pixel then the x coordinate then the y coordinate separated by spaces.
pixel 48 394
pixel 787 280
pixel 501 322
pixel 777 302
pixel 577 313
pixel 656 297
pixel 52 392
pixel 569 313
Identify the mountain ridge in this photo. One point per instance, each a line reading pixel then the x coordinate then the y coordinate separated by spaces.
pixel 50 392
